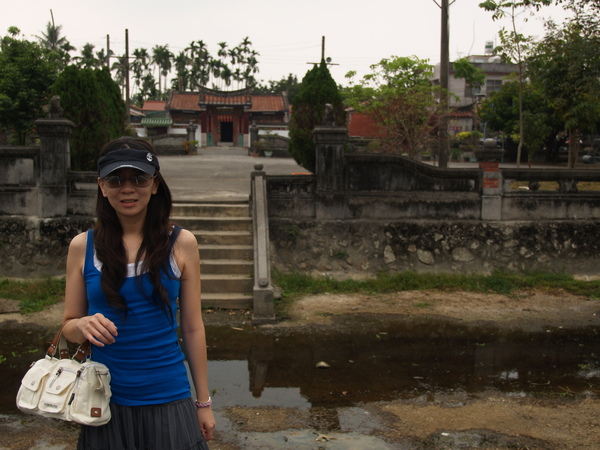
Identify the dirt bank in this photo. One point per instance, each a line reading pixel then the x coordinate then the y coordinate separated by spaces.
pixel 449 420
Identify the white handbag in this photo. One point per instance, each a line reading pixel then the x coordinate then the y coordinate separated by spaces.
pixel 72 389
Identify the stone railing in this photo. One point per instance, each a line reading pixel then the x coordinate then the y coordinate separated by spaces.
pixel 366 213
pixel 263 308
pixel 36 181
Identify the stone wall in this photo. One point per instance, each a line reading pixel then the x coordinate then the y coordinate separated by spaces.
pixel 32 247
pixel 169 144
pixel 363 248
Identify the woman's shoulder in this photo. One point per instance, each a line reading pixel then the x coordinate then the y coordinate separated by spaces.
pixel 185 249
pixel 186 238
pixel 79 241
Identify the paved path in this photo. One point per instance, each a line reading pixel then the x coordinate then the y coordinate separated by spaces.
pixel 218 173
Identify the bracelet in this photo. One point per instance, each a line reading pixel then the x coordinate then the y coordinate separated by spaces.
pixel 204 404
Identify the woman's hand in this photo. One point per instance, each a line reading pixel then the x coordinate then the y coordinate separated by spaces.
pixel 207 422
pixel 97 329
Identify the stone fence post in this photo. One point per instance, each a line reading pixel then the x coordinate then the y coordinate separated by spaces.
pixel 330 160
pixel 55 163
pixel 491 199
pixel 253 135
pixel 191 136
pixel 330 167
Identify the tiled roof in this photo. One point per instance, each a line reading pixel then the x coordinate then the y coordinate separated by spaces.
pixel 157 122
pixel 194 101
pixel 267 103
pixel 154 105
pixel 461 113
pixel 185 101
pixel 232 100
pixel 135 111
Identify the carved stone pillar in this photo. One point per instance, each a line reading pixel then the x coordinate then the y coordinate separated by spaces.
pixel 55 163
pixel 330 167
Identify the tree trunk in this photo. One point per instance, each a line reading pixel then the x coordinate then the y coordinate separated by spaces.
pixel 574 138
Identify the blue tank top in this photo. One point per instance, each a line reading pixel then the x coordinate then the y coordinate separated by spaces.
pixel 146 362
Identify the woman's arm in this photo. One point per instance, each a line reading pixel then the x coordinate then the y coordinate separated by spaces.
pixel 97 329
pixel 192 326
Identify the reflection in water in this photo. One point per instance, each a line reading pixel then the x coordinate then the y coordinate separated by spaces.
pixel 229 380
pixel 389 361
pixel 376 361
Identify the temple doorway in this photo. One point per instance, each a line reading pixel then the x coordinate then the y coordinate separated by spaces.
pixel 226 132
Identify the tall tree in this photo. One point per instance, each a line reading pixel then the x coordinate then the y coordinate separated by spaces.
pixel 566 66
pixel 26 75
pixel 500 113
pixel 140 64
pixel 181 63
pixel 90 59
pixel 119 67
pixel 399 97
pixel 58 46
pixel 317 89
pixel 91 99
pixel 162 57
pixel 287 84
pixel 514 45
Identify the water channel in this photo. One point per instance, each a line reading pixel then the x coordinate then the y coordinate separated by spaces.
pixel 367 361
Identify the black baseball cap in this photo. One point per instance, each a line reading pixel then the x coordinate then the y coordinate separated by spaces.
pixel 128 157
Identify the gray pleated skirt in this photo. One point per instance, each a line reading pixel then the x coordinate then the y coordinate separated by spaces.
pixel 171 426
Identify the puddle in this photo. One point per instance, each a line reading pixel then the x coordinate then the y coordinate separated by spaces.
pixel 378 362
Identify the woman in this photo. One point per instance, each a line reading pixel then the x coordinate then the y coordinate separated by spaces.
pixel 123 280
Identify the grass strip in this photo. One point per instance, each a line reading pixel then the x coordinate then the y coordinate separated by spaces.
pixel 499 282
pixel 36 295
pixel 33 295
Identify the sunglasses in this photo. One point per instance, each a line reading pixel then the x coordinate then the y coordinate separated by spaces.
pixel 115 181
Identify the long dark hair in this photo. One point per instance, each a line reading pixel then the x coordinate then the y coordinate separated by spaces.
pixel 158 238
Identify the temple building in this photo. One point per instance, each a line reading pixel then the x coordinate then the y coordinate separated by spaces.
pixel 216 118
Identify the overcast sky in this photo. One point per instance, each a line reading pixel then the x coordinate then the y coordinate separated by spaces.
pixel 286 34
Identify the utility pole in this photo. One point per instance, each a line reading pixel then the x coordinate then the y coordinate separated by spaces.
pixel 108 52
pixel 328 60
pixel 127 100
pixel 444 75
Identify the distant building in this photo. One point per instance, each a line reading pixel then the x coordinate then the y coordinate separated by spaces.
pixel 496 72
pixel 221 118
pixel 361 125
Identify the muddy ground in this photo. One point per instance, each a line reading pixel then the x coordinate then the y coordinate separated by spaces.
pixel 457 420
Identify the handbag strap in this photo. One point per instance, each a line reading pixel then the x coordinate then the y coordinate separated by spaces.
pixel 59 343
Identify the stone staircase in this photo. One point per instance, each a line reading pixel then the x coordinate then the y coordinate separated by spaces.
pixel 225 242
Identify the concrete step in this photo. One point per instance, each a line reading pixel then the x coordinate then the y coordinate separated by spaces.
pixel 245 252
pixel 223 237
pixel 211 209
pixel 226 301
pixel 227 266
pixel 226 283
pixel 214 223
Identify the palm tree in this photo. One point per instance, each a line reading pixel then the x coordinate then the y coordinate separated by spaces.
pixel 215 70
pixel 162 57
pixel 102 57
pixel 87 59
pixel 181 63
pixel 251 69
pixel 58 45
pixel 120 67
pixel 222 53
pixel 139 66
pixel 199 62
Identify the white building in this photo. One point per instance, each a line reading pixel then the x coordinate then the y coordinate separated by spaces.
pixel 464 98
